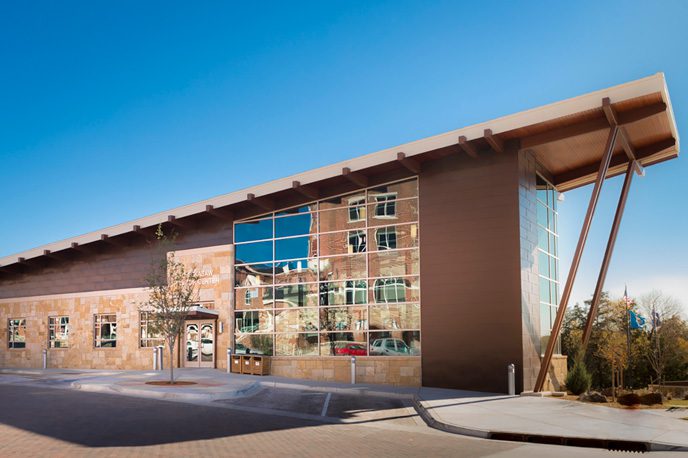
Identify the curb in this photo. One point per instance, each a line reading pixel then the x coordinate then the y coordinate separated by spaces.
pixel 354 389
pixel 610 444
pixel 433 422
pixel 143 393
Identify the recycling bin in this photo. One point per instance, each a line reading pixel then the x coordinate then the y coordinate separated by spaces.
pixel 260 365
pixel 236 364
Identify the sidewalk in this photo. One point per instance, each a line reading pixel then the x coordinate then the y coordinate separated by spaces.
pixel 485 415
pixel 501 416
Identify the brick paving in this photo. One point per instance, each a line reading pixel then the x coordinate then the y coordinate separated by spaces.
pixel 44 421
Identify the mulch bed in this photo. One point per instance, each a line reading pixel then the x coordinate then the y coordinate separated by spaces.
pixel 170 384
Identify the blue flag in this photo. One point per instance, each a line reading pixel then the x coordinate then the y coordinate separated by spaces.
pixel 637 320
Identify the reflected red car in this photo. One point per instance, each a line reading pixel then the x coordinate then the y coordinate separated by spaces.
pixel 350 349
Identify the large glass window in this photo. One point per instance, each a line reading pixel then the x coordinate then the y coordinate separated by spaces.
pixel 16 333
pixel 105 330
pixel 547 258
pixel 58 332
pixel 331 278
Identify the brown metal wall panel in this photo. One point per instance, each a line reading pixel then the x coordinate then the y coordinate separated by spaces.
pixel 470 272
pixel 113 268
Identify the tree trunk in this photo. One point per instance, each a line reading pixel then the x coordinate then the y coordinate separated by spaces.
pixel 171 343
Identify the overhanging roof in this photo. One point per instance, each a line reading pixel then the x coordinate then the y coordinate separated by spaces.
pixel 567 138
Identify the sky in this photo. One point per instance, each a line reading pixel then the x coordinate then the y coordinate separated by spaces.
pixel 110 111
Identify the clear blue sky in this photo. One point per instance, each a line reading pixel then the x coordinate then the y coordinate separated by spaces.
pixel 113 111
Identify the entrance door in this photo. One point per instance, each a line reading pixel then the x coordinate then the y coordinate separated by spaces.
pixel 200 344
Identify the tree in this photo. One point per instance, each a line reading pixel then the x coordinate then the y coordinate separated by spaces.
pixel 172 291
pixel 667 334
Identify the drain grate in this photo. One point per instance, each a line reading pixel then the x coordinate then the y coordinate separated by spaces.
pixel 615 445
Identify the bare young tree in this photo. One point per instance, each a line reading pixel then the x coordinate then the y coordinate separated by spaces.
pixel 663 312
pixel 172 291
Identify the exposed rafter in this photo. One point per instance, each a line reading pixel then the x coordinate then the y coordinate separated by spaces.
pixel 592 125
pixel 219 213
pixel 468 147
pixel 116 242
pixel 55 256
pixel 180 223
pixel 85 249
pixel 265 203
pixel 308 191
pixel 410 164
pixel 355 177
pixel 617 160
pixel 496 143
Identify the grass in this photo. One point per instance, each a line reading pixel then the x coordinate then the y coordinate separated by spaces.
pixel 616 405
pixel 677 403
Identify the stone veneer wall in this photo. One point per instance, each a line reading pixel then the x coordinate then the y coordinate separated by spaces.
pixel 556 377
pixel 214 265
pixel 81 353
pixel 389 370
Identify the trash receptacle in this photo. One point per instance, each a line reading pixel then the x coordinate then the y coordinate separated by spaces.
pixel 236 364
pixel 246 364
pixel 260 365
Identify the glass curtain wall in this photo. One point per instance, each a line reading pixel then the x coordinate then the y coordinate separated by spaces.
pixel 337 277
pixel 548 259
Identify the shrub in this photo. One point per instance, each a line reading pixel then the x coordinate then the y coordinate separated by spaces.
pixel 579 379
pixel 649 399
pixel 629 399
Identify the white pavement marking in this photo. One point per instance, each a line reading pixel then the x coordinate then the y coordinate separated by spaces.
pixel 327 403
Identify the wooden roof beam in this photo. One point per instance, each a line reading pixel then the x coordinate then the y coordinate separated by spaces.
pixel 85 249
pixel 180 223
pixel 410 164
pixel 496 143
pixel 617 160
pixel 219 213
pixel 265 203
pixel 613 120
pixel 592 125
pixel 308 191
pixel 355 177
pixel 112 242
pixel 468 147
pixel 55 256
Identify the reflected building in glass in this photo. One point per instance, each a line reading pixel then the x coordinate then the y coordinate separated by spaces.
pixel 335 277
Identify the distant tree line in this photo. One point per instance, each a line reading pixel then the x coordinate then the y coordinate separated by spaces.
pixel 638 342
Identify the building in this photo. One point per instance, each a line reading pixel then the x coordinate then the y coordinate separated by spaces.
pixel 434 262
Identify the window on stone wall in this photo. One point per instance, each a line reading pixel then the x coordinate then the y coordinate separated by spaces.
pixel 150 337
pixel 58 331
pixel 16 332
pixel 105 330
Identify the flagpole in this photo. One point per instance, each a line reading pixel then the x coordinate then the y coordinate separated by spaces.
pixel 628 324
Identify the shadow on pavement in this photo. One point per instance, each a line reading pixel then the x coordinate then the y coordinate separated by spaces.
pixel 103 420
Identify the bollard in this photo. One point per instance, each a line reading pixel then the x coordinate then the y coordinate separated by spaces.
pixel 160 357
pixel 45 358
pixel 353 370
pixel 229 359
pixel 155 358
pixel 511 378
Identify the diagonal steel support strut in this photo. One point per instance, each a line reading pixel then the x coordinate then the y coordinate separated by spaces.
pixel 575 262
pixel 594 305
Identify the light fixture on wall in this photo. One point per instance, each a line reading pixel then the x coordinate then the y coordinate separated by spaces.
pixel 222 327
